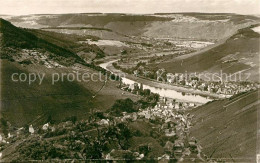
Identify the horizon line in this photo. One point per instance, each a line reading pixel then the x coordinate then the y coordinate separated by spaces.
pixel 128 13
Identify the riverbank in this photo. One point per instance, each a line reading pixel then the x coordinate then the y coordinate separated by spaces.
pixel 108 66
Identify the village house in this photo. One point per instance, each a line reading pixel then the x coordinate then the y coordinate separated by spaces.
pixel 168 146
pixel 31 130
pixel 169 132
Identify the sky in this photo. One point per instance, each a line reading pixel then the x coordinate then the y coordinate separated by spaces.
pixel 25 7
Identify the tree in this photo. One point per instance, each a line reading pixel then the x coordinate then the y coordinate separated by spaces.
pixel 4 126
pixel 146 92
pixel 123 135
pixel 123 105
pixel 141 87
pixel 124 52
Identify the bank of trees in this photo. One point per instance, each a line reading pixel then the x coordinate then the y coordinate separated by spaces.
pixel 127 105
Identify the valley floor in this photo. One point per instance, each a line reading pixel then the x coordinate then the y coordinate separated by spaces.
pixel 157 84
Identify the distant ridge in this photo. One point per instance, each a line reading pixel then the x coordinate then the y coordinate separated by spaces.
pixel 164 13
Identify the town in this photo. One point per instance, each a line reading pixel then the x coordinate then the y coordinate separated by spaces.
pixel 220 86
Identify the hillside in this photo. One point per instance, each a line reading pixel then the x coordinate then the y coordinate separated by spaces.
pixel 18 38
pixel 196 26
pixel 239 52
pixel 24 52
pixel 228 128
pixel 84 115
pixel 71 42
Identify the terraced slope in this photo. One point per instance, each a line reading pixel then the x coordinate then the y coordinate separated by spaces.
pixel 227 129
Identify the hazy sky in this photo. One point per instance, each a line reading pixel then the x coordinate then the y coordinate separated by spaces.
pixel 23 7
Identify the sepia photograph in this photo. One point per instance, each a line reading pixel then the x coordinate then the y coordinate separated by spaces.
pixel 130 81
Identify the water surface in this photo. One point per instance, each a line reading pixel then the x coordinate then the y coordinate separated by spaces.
pixel 169 93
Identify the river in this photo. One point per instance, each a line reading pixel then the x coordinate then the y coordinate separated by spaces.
pixel 256 29
pixel 169 93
